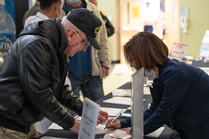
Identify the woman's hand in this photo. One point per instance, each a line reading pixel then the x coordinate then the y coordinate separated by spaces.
pixel 115 125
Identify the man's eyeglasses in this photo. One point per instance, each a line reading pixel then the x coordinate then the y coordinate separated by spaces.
pixel 86 44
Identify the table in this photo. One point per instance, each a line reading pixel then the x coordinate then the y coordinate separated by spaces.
pixel 199 63
pixel 167 132
pixel 54 134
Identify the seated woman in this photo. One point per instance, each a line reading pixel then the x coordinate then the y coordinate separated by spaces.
pixel 180 92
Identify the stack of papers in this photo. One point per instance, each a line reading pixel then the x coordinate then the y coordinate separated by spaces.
pixel 121 93
pixel 156 133
pixel 112 111
pixel 119 100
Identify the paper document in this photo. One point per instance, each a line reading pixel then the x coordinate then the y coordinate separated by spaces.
pixel 89 119
pixel 205 69
pixel 189 57
pixel 156 133
pixel 146 91
pixel 111 111
pixel 99 129
pixel 55 126
pixel 119 100
pixel 121 92
pixel 126 115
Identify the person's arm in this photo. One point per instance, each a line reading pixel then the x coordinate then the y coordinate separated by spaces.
pixel 175 87
pixel 114 125
pixel 125 122
pixel 34 69
pixel 70 100
pixel 103 53
pixel 105 71
pixel 124 125
pixel 153 106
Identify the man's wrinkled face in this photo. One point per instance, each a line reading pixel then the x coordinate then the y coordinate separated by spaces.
pixel 76 42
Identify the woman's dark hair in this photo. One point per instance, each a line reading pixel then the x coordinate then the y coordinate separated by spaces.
pixel 146 50
pixel 44 4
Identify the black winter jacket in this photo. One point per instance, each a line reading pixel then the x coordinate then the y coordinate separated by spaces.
pixel 32 79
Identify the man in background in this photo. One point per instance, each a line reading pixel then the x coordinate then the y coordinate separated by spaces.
pixel 148 18
pixel 108 24
pixel 32 11
pixel 34 14
pixel 48 9
pixel 87 69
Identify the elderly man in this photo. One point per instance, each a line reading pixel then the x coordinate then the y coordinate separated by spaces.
pixel 33 74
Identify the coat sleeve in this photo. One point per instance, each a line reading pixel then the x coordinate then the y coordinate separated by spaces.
pixel 125 122
pixel 152 108
pixel 70 100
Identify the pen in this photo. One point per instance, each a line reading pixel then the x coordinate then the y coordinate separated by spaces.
pixel 76 117
pixel 117 116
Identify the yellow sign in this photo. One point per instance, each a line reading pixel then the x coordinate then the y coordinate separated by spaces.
pixel 135 12
pixel 103 12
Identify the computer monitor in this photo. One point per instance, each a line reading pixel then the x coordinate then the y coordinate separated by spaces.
pixel 137 104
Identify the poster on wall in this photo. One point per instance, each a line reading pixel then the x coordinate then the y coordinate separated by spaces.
pixel 7 27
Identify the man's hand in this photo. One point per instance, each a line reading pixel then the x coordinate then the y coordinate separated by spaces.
pixel 76 126
pixel 105 71
pixel 103 116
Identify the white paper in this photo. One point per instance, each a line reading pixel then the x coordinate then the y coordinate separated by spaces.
pixel 111 111
pixel 99 129
pixel 204 50
pixel 89 119
pixel 189 57
pixel 119 100
pixel 156 133
pixel 126 115
pixel 121 92
pixel 205 69
pixel 112 135
pixel 55 126
pixel 146 91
